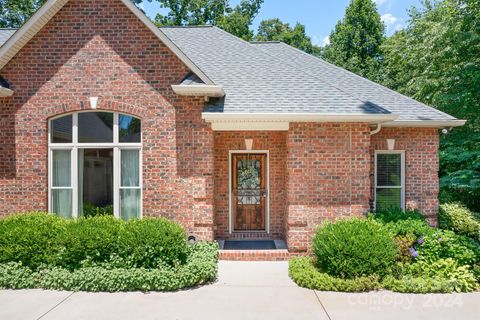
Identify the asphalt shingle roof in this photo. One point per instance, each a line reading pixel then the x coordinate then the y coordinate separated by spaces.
pixel 366 90
pixel 272 77
pixel 255 82
pixel 5 34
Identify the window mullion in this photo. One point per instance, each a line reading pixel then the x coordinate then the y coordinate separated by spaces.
pixel 74 183
pixel 116 182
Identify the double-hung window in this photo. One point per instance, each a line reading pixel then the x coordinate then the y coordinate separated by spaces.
pixel 95 165
pixel 389 180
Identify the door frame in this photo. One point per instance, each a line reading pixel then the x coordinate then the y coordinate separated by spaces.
pixel 267 184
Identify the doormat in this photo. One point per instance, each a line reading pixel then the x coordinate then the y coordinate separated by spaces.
pixel 249 245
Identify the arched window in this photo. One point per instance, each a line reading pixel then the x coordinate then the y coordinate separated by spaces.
pixel 95 165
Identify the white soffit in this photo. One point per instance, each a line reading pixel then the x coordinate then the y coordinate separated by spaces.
pixel 199 90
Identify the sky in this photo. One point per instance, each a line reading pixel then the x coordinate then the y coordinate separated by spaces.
pixel 318 16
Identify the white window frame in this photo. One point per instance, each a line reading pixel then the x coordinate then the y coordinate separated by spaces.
pixel 75 145
pixel 402 179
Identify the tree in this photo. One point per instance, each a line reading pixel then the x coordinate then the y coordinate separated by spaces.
pixel 236 20
pixel 355 42
pixel 436 60
pixel 276 30
pixel 14 13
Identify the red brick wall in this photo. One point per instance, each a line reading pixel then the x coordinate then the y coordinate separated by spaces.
pixel 99 48
pixel 328 169
pixel 421 165
pixel 275 142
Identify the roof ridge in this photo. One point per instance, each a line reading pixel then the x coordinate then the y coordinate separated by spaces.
pixel 365 79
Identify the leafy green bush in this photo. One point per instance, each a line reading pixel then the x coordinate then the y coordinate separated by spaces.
pixel 303 271
pixel 354 248
pixel 394 215
pixel 33 239
pixel 200 267
pixel 416 228
pixel 404 244
pixel 91 210
pixel 443 275
pixel 444 244
pixel 458 218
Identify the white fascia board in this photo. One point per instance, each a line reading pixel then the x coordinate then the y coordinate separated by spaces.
pixel 425 123
pixel 199 90
pixel 296 117
pixel 250 126
pixel 43 15
pixel 5 92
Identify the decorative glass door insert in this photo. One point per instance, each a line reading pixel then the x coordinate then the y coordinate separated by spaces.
pixel 249 191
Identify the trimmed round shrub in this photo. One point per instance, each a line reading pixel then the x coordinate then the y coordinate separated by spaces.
pixel 458 218
pixel 355 247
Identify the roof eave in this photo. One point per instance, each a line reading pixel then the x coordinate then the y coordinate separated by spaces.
pixel 297 117
pixel 200 90
pixel 5 92
pixel 425 123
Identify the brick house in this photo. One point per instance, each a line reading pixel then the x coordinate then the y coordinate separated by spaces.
pixel 102 110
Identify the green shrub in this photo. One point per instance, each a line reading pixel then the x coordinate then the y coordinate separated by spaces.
pixel 410 227
pixel 91 210
pixel 404 244
pixel 304 273
pixel 458 218
pixel 443 275
pixel 444 244
pixel 200 267
pixel 394 215
pixel 33 239
pixel 354 248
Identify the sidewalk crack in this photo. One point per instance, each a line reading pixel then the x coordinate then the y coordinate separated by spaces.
pixel 323 307
pixel 62 301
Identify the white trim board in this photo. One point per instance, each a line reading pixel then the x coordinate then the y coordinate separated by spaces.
pixel 43 15
pixel 230 198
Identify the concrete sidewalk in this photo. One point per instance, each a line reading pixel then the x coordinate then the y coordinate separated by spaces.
pixel 245 290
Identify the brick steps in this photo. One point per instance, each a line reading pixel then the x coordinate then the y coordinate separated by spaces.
pixel 254 255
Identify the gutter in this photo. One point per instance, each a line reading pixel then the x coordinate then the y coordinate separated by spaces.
pixel 297 117
pixel 425 123
pixel 199 90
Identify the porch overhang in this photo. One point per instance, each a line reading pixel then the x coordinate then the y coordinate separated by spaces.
pixel 281 121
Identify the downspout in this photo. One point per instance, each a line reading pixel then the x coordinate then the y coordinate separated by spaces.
pixel 377 130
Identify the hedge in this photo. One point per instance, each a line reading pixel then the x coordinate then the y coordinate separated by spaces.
pixel 200 268
pixel 39 238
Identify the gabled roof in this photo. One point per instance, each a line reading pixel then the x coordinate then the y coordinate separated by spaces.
pixel 275 78
pixel 270 81
pixel 18 39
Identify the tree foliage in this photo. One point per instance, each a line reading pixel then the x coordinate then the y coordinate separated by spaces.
pixel 233 19
pixel 276 30
pixel 436 60
pixel 356 40
pixel 13 13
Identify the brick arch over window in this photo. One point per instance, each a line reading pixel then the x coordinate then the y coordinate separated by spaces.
pixel 102 105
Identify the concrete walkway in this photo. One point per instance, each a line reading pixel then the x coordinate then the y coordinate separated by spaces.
pixel 245 290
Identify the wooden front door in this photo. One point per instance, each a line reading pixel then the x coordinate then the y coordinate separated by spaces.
pixel 249 191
